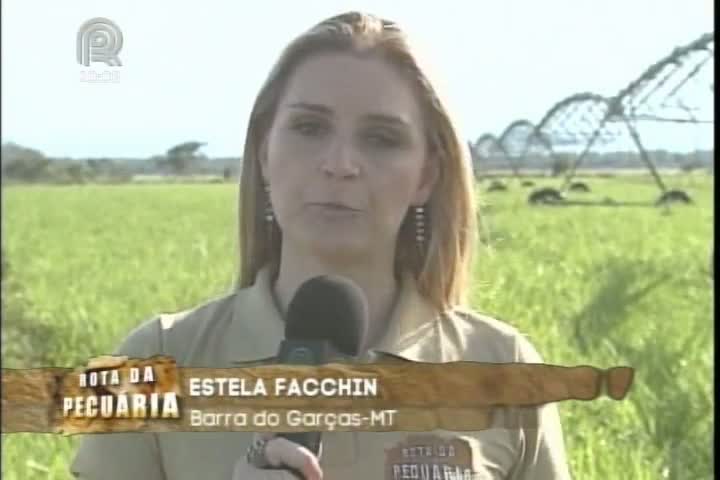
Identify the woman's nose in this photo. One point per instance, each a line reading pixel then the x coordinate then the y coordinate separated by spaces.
pixel 340 161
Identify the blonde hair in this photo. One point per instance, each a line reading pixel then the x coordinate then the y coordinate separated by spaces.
pixel 442 268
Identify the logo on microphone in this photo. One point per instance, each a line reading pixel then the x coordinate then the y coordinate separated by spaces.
pixel 301 355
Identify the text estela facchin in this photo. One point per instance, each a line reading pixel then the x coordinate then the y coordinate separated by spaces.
pixel 282 387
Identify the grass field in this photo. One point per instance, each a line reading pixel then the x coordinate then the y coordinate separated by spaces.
pixel 594 285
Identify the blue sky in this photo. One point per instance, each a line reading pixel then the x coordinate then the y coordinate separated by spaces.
pixel 191 69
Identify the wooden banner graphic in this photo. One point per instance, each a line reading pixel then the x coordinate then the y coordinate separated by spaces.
pixel 117 394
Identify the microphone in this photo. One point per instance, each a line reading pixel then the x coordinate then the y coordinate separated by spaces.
pixel 327 319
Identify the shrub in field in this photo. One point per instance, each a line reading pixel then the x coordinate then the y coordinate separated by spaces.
pixel 545 195
pixel 497 186
pixel 674 196
pixel 581 187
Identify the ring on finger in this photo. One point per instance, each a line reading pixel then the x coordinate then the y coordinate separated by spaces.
pixel 257 453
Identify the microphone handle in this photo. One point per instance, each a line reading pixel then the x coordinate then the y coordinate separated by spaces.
pixel 305 352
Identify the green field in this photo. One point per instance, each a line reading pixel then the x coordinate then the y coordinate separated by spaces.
pixel 595 285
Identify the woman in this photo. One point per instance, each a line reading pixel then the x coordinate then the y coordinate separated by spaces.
pixel 352 167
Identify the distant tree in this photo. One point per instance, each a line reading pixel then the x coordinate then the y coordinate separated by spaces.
pixel 690 165
pixel 560 164
pixel 76 172
pixel 159 162
pixel 93 166
pixel 24 164
pixel 180 158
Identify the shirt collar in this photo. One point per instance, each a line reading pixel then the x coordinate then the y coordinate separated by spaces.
pixel 416 331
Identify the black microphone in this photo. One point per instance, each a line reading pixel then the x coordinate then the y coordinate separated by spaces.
pixel 327 319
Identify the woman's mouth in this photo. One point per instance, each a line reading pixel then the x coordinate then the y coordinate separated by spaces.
pixel 335 207
pixel 331 211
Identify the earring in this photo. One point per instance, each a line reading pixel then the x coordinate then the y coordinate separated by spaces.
pixel 420 226
pixel 269 216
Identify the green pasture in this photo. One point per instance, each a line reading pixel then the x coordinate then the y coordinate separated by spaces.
pixel 590 285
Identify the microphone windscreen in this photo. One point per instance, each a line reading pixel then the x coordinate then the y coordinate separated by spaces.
pixel 330 308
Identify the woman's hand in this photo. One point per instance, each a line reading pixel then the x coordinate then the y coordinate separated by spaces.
pixel 280 452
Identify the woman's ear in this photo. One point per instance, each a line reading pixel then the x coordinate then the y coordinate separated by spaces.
pixel 428 179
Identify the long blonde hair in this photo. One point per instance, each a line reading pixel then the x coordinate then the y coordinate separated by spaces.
pixel 442 268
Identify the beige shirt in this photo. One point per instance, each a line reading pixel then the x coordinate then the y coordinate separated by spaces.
pixel 245 327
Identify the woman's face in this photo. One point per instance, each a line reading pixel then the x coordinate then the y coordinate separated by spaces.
pixel 346 156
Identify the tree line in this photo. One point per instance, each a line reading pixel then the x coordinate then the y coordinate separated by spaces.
pixel 28 165
pixel 560 162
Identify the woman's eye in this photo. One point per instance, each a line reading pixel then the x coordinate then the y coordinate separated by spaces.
pixel 309 128
pixel 382 140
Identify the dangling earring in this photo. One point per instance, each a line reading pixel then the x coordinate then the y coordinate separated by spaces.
pixel 269 216
pixel 420 226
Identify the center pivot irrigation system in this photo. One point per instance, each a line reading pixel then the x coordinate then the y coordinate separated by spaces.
pixel 668 98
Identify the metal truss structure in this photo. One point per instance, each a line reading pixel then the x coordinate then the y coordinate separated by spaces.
pixel 678 89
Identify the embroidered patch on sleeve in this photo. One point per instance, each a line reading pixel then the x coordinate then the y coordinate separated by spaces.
pixel 430 457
